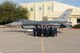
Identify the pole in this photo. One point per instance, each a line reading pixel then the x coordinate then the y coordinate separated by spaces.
pixel 34 12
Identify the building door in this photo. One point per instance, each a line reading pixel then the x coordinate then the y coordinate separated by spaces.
pixel 78 20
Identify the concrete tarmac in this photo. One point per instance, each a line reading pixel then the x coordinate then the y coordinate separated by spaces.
pixel 14 40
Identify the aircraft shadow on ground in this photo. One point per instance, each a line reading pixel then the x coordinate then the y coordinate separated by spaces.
pixel 31 33
pixel 26 32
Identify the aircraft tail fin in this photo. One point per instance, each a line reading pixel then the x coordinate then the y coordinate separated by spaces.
pixel 65 15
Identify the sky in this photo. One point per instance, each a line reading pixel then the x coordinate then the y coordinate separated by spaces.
pixel 70 2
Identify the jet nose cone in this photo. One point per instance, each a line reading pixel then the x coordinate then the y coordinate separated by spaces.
pixel 14 24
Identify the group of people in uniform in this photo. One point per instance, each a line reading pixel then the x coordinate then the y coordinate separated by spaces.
pixel 44 31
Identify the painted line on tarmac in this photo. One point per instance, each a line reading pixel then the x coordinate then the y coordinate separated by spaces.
pixel 42 44
pixel 1 52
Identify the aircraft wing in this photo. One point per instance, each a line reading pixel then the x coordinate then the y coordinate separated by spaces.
pixel 40 23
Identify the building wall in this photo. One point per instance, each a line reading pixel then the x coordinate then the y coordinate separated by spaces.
pixel 40 10
pixel 74 21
